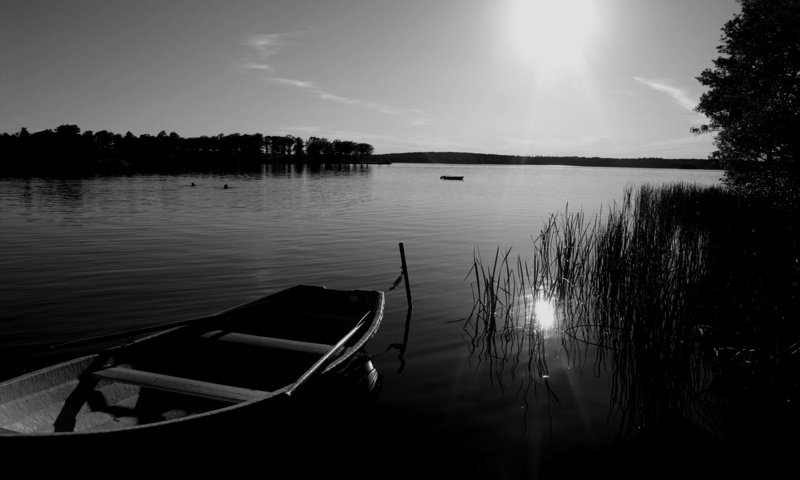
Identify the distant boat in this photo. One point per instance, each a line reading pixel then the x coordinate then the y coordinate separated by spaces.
pixel 450 177
pixel 223 369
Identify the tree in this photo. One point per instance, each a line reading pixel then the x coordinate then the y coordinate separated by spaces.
pixel 753 97
pixel 279 147
pixel 364 150
pixel 104 144
pixel 299 148
pixel 317 147
pixel 344 149
pixel 68 130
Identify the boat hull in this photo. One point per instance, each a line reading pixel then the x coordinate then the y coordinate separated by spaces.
pixel 85 401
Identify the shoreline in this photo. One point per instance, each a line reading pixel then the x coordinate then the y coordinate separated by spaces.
pixel 463 158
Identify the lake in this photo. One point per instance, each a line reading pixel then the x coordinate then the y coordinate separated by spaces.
pixel 84 257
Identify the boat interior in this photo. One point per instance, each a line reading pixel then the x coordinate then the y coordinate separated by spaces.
pixel 250 353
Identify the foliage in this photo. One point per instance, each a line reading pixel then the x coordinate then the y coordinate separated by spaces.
pixel 753 97
pixel 67 151
pixel 691 294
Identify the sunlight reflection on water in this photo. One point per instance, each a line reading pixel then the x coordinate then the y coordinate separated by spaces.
pixel 536 311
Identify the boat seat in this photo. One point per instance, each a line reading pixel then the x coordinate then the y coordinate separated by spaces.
pixel 268 342
pixel 186 386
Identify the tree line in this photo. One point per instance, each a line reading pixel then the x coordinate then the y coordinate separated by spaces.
pixel 68 151
pixel 494 159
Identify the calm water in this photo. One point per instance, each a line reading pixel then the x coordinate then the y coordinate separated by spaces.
pixel 86 257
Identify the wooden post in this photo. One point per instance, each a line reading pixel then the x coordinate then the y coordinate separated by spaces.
pixel 405 274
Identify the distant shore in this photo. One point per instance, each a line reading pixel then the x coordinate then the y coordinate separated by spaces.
pixel 492 159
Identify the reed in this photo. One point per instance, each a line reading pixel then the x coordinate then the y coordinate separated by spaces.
pixel 501 328
pixel 687 295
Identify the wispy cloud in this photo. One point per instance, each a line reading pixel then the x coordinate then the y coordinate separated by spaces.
pixel 313 89
pixel 269 44
pixel 293 83
pixel 263 46
pixel 262 67
pixel 679 95
pixel 419 122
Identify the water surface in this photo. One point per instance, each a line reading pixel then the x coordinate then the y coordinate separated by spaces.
pixel 85 257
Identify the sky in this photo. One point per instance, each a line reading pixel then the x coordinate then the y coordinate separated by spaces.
pixel 607 78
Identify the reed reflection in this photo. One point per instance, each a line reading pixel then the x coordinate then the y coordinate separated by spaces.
pixel 509 325
pixel 621 290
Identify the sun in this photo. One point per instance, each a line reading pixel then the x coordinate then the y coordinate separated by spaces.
pixel 550 35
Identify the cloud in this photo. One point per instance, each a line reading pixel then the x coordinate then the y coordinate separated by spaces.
pixel 318 92
pixel 258 67
pixel 378 107
pixel 421 121
pixel 269 44
pixel 263 46
pixel 679 95
pixel 293 83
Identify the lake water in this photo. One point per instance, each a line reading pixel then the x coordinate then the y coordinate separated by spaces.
pixel 91 256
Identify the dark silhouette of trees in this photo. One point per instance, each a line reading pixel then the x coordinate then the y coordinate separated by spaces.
pixel 299 149
pixel 364 150
pixel 68 131
pixel 280 149
pixel 317 147
pixel 344 148
pixel 66 151
pixel 753 98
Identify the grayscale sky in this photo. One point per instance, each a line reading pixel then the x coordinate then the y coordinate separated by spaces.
pixel 526 77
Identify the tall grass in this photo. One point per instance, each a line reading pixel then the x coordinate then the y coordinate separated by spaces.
pixel 499 326
pixel 688 295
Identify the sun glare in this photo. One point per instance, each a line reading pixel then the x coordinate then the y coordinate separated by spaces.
pixel 550 34
pixel 544 313
pixel 536 311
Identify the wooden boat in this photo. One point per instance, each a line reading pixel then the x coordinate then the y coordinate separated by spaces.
pixel 226 369
pixel 450 177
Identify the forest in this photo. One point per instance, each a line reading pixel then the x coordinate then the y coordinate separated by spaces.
pixel 67 150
